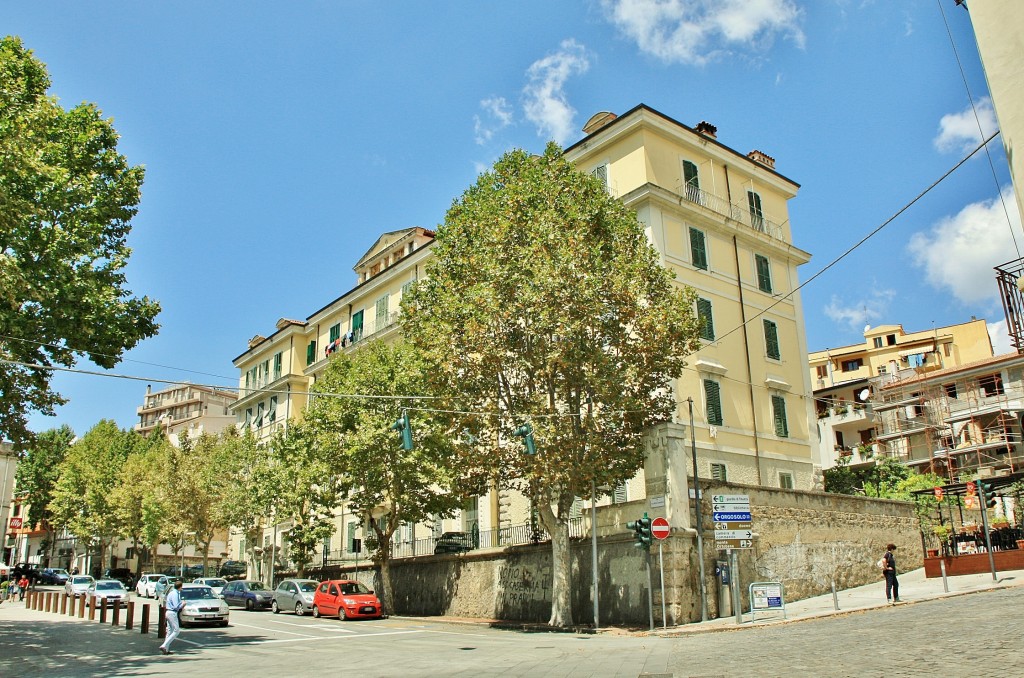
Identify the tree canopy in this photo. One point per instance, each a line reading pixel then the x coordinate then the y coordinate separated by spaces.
pixel 546 303
pixel 67 198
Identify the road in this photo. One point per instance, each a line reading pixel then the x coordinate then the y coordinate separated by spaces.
pixel 978 635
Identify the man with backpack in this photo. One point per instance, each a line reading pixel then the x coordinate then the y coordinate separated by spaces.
pixel 892 585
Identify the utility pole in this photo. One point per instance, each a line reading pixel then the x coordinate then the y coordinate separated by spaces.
pixel 700 522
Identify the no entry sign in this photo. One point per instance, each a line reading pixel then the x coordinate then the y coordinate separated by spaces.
pixel 659 528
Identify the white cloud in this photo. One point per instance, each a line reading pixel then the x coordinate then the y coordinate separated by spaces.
pixel 857 314
pixel 697 31
pixel 959 252
pixel 959 131
pixel 545 101
pixel 498 116
pixel 1000 337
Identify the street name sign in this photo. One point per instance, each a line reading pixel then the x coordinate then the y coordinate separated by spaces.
pixel 734 515
pixel 733 543
pixel 733 525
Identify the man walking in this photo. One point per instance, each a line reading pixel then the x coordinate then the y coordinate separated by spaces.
pixel 892 586
pixel 174 604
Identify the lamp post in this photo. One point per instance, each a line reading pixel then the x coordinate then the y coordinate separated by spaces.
pixel 700 524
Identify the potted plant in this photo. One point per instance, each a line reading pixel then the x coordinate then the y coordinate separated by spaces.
pixel 942 533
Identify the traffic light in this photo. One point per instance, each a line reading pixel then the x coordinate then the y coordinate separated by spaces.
pixel 641 532
pixel 403 427
pixel 526 433
pixel 986 491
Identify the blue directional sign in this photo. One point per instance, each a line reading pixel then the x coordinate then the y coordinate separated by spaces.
pixel 720 516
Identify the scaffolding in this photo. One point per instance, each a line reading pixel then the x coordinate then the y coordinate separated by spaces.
pixel 954 421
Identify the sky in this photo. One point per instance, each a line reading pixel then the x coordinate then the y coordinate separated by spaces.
pixel 281 139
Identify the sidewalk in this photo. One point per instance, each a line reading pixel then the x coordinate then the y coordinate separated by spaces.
pixel 914 588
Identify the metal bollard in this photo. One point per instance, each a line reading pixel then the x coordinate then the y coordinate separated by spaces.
pixel 71 605
pixel 129 616
pixel 145 618
pixel 51 600
pixel 64 603
pixel 81 607
pixel 92 609
pixel 103 610
pixel 115 614
pixel 161 623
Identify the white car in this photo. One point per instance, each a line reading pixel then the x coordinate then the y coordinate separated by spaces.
pixel 111 589
pixel 78 584
pixel 215 583
pixel 202 606
pixel 147 585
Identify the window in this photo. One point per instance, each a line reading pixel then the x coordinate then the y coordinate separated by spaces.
pixel 718 472
pixel 992 385
pixel 852 365
pixel 771 340
pixel 786 481
pixel 248 417
pixel 259 415
pixel 248 379
pixel 756 215
pixel 407 287
pixel 950 389
pixel 335 333
pixel 764 273
pixel 601 172
pixel 947 348
pixel 698 249
pixel 382 312
pixel 266 373
pixel 779 415
pixel 840 443
pixel 621 493
pixel 351 536
pixel 890 340
pixel 311 352
pixel 691 181
pixel 706 319
pixel 822 371
pixel 277 366
pixel 357 326
pixel 713 397
pixel 272 413
pixel 576 510
pixel 877 342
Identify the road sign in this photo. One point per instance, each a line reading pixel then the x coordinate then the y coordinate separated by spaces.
pixel 731 515
pixel 730 498
pixel 737 508
pixel 733 525
pixel 734 534
pixel 659 528
pixel 733 544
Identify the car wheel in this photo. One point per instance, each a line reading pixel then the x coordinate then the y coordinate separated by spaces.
pixel 248 605
pixel 341 614
pixel 274 608
pixel 223 624
pixel 299 610
pixel 316 611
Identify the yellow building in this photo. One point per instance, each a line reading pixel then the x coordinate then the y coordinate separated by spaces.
pixel 843 393
pixel 719 220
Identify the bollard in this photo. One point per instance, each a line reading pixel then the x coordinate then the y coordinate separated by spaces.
pixel 64 604
pixel 161 623
pixel 81 607
pixel 71 605
pixel 37 601
pixel 103 610
pixel 115 614
pixel 92 609
pixel 945 583
pixel 145 618
pixel 129 616
pixel 51 600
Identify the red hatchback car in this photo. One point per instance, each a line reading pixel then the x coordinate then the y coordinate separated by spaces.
pixel 347 599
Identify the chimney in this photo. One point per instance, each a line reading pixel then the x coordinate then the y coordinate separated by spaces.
pixel 762 158
pixel 707 129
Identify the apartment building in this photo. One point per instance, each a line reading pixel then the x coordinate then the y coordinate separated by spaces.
pixel 719 220
pixel 185 408
pixel 844 381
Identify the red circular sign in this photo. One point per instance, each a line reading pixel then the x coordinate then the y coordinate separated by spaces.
pixel 659 528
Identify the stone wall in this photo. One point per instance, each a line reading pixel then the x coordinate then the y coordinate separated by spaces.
pixel 803 539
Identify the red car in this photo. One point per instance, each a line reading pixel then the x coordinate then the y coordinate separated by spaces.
pixel 347 599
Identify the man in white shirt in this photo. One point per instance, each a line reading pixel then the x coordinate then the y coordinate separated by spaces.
pixel 173 606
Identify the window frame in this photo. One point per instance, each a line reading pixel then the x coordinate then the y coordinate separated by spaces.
pixel 789 483
pixel 763 271
pixel 771 339
pixel 779 416
pixel 698 252
pixel 706 318
pixel 713 408
pixel 719 471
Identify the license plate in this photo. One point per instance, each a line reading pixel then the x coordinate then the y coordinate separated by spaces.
pixel 368 610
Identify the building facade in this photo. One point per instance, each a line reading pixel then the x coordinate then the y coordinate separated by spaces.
pixel 185 408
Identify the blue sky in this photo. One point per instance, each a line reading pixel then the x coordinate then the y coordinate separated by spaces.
pixel 280 139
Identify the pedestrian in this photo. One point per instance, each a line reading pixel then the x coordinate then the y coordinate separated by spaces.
pixel 22 586
pixel 174 604
pixel 892 585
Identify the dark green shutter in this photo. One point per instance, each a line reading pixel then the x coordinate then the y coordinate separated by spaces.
pixel 357 326
pixel 690 177
pixel 764 273
pixel 779 414
pixel 714 399
pixel 335 332
pixel 707 320
pixel 698 250
pixel 311 352
pixel 756 215
pixel 771 340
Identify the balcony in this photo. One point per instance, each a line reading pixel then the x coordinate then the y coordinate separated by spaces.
pixel 742 214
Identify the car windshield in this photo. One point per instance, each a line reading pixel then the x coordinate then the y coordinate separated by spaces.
pixel 82 580
pixel 197 593
pixel 109 586
pixel 216 582
pixel 307 586
pixel 353 587
pixel 59 571
pixel 257 586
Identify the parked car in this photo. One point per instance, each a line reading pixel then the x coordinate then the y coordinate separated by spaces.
pixel 346 599
pixel 54 575
pixel 121 574
pixel 163 586
pixel 454 542
pixel 232 569
pixel 78 584
pixel 111 589
pixel 295 594
pixel 146 584
pixel 215 583
pixel 252 595
pixel 202 606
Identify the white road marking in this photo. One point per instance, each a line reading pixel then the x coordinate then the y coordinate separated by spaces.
pixel 260 628
pixel 300 640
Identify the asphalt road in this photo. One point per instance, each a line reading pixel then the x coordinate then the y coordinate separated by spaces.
pixel 971 635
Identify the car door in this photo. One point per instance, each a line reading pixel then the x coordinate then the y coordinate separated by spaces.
pixel 287 600
pixel 230 593
pixel 332 600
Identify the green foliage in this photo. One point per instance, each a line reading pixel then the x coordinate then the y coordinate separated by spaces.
pixel 249 473
pixel 38 469
pixel 67 198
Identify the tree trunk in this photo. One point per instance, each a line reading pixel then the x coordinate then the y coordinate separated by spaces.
pixel 384 560
pixel 561 563
pixel 206 556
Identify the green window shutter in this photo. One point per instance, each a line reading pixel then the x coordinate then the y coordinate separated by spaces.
pixel 712 393
pixel 690 177
pixel 771 340
pixel 698 249
pixel 707 320
pixel 756 215
pixel 779 414
pixel 382 311
pixel 335 332
pixel 764 273
pixel 357 326
pixel 277 366
pixel 311 352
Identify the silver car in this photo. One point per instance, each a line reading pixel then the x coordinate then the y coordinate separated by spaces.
pixel 215 583
pixel 78 584
pixel 111 589
pixel 294 594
